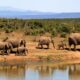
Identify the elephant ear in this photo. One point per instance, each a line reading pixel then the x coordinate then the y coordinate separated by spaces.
pixel 75 42
pixel 22 42
pixel 72 41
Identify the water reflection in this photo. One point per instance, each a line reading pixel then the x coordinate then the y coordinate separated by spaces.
pixel 74 72
pixel 12 72
pixel 39 72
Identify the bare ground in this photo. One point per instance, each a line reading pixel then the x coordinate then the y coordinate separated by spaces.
pixel 35 55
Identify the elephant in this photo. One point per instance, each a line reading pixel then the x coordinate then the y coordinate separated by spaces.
pixel 5 47
pixel 22 50
pixel 74 39
pixel 45 41
pixel 62 45
pixel 17 43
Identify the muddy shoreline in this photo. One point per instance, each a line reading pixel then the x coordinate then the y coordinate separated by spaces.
pixel 54 58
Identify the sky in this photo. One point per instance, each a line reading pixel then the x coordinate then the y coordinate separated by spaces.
pixel 43 5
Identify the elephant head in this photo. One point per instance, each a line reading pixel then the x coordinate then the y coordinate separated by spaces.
pixel 23 42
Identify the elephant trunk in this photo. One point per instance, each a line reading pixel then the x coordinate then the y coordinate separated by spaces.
pixel 52 41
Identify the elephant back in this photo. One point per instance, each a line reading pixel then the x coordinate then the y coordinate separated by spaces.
pixel 16 43
pixel 74 38
pixel 44 39
pixel 75 35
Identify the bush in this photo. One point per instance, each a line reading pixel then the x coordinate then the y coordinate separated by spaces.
pixel 27 33
pixel 8 30
pixel 54 33
pixel 63 35
pixel 64 28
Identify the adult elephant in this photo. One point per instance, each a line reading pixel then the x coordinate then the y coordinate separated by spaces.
pixel 17 43
pixel 74 39
pixel 5 47
pixel 45 41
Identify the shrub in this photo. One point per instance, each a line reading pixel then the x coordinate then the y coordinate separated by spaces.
pixel 8 30
pixel 63 34
pixel 54 33
pixel 63 28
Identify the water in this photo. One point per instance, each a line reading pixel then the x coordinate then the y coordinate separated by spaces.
pixel 42 71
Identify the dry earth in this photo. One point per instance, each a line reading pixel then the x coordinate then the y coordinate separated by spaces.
pixel 51 55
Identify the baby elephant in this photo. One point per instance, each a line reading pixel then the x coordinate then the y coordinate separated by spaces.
pixel 22 50
pixel 62 45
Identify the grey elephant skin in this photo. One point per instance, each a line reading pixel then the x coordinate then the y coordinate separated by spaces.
pixel 22 50
pixel 6 47
pixel 45 41
pixel 74 39
pixel 17 43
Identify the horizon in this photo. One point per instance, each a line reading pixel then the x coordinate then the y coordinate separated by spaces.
pixel 62 6
pixel 16 9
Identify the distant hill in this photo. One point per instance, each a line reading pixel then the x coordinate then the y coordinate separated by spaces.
pixel 14 13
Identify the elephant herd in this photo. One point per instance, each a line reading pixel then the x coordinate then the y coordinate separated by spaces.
pixel 73 39
pixel 7 46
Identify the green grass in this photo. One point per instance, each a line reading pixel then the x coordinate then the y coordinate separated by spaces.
pixel 41 26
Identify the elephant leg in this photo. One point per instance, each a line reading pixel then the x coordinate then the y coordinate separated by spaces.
pixel 47 46
pixel 63 47
pixel 41 46
pixel 58 47
pixel 69 47
pixel 75 47
pixel 8 51
pixel 3 52
pixel 25 52
pixel 38 45
pixel 16 53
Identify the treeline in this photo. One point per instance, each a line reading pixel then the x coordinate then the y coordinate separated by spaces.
pixel 41 26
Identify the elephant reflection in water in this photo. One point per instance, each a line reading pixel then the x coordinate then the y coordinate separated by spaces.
pixel 62 67
pixel 74 71
pixel 45 70
pixel 13 71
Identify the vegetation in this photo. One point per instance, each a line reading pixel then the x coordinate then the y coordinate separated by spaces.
pixel 41 26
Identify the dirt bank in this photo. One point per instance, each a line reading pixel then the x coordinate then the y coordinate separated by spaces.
pixel 43 55
pixel 39 55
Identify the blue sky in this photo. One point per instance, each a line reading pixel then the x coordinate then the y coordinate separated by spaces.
pixel 43 5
